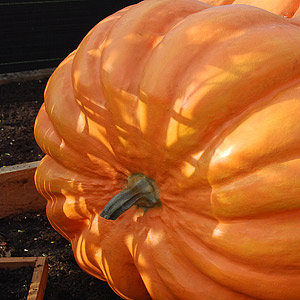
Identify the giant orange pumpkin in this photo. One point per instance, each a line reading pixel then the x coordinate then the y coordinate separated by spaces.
pixel 172 141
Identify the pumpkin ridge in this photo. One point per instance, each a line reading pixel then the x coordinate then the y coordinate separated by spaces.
pixel 257 216
pixel 220 133
pixel 185 131
pixel 60 126
pixel 214 262
pixel 240 295
pixel 89 90
pixel 258 244
pixel 205 242
pixel 279 113
pixel 254 187
pixel 132 122
pixel 286 8
pixel 227 293
pixel 68 148
pixel 242 173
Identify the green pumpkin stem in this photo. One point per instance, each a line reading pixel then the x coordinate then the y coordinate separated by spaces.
pixel 140 190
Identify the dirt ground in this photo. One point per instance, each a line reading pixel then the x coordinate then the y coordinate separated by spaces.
pixel 14 284
pixel 30 234
pixel 19 105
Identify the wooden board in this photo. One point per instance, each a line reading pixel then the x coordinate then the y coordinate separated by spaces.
pixel 39 277
pixel 17 189
pixel 7 78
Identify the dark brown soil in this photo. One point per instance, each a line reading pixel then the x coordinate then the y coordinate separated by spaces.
pixel 19 105
pixel 30 234
pixel 14 284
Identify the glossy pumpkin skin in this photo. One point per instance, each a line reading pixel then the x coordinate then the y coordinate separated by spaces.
pixel 284 8
pixel 205 101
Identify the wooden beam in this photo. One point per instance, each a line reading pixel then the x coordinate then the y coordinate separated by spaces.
pixel 39 277
pixel 25 76
pixel 17 189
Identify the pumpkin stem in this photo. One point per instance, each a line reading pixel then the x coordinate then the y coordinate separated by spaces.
pixel 140 190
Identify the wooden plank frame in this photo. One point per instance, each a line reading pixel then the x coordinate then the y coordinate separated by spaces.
pixel 40 273
pixel 17 190
pixel 25 76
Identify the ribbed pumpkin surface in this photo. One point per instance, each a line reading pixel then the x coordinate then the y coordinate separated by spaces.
pixel 206 102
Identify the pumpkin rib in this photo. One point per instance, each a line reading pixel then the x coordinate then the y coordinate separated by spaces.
pixel 69 138
pixel 262 181
pixel 67 227
pixel 236 121
pixel 185 269
pixel 242 174
pixel 228 162
pixel 85 203
pixel 129 97
pixel 225 246
pixel 146 33
pixel 122 259
pixel 64 127
pixel 166 292
pixel 167 289
pixel 81 258
pixel 157 89
pixel 211 248
pixel 275 249
pixel 210 243
pixel 218 2
pixel 59 149
pixel 226 271
pixel 89 89
pixel 81 247
pixel 285 8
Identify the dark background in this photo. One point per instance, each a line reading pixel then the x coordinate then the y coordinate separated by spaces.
pixel 39 34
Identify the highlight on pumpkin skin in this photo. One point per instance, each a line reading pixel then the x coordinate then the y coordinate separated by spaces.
pixel 218 2
pixel 286 8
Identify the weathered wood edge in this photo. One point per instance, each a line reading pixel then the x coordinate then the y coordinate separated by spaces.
pixel 39 277
pixel 17 190
pixel 19 167
pixel 39 280
pixel 6 78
